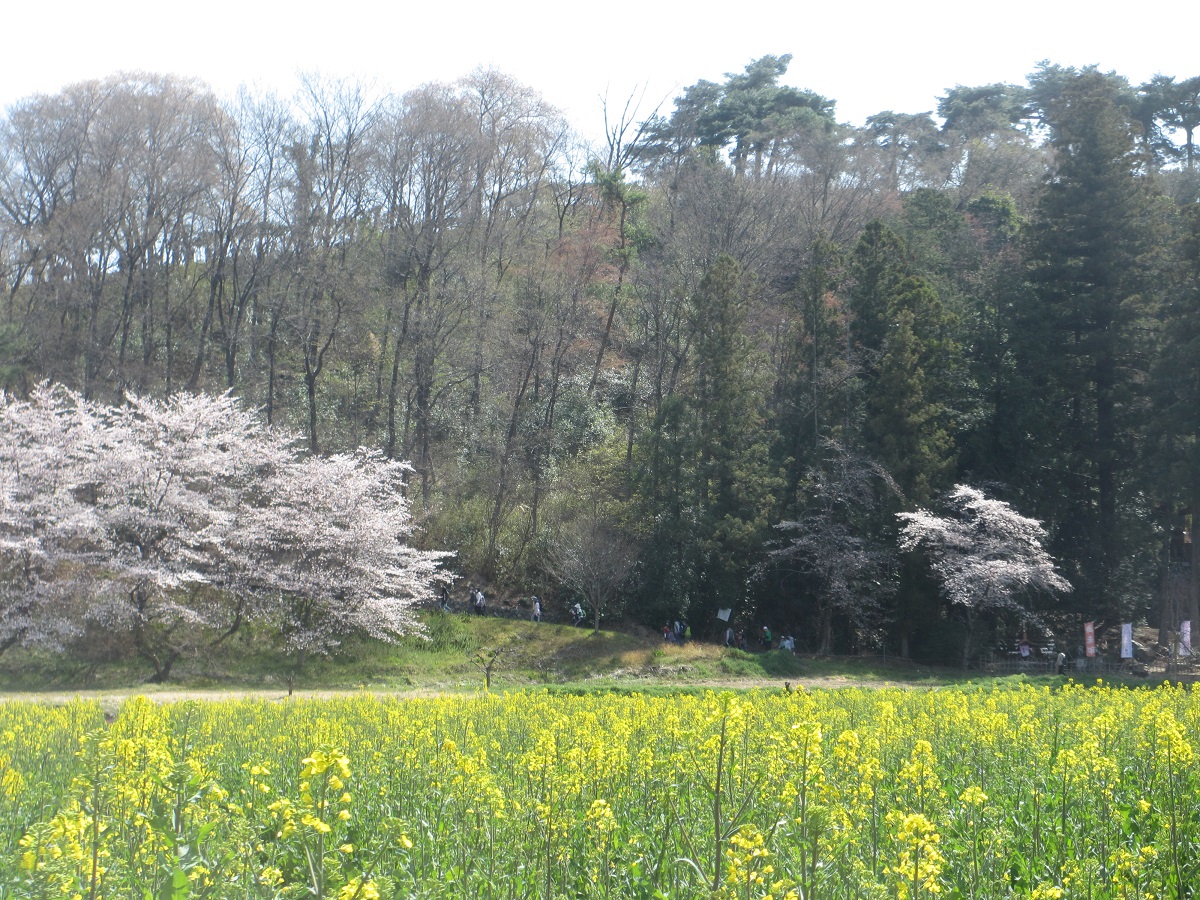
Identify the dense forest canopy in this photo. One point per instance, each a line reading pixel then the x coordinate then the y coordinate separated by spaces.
pixel 738 340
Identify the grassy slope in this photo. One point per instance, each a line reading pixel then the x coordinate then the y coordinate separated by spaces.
pixel 531 654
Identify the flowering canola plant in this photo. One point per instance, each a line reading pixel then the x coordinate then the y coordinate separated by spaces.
pixel 1088 792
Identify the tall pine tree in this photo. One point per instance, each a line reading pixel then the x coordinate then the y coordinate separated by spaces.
pixel 1085 346
pixel 706 478
pixel 902 333
pixel 1176 423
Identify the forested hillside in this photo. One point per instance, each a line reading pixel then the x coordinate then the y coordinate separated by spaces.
pixel 704 366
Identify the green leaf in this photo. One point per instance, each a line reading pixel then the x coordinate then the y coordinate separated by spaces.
pixel 179 888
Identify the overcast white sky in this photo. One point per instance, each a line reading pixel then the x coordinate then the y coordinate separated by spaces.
pixel 868 56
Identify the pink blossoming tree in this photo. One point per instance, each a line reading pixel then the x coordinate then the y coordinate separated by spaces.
pixel 174 522
pixel 987 556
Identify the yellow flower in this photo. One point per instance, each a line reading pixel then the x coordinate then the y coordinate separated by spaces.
pixel 600 818
pixel 1046 892
pixel 357 889
pixel 919 863
pixel 314 823
pixel 973 796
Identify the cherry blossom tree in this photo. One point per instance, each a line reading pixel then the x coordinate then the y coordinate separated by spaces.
pixel 174 521
pixel 988 557
pixel 333 546
pixel 43 443
pixel 845 569
pixel 175 488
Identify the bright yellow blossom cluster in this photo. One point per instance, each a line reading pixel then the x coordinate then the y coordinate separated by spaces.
pixel 1028 792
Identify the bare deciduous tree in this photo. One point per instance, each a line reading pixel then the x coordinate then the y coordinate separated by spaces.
pixel 592 559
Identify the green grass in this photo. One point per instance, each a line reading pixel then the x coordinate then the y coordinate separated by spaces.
pixel 446 658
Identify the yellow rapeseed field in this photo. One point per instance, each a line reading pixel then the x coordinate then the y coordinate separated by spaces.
pixel 1083 792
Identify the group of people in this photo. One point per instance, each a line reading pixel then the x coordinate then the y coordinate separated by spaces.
pixel 478 604
pixel 677 632
pixel 478 601
pixel 766 640
pixel 1025 652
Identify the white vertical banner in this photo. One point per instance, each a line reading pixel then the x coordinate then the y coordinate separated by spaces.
pixel 1127 641
pixel 1185 638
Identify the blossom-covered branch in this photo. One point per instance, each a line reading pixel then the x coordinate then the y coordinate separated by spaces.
pixel 175 521
pixel 986 555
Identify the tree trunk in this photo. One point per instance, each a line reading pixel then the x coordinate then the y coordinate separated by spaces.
pixel 1194 561
pixel 826 628
pixel 215 289
pixel 394 385
pixel 423 375
pixel 1166 613
pixel 622 250
pixel 967 639
pixel 272 343
pixel 310 387
pixel 505 457
pixel 162 666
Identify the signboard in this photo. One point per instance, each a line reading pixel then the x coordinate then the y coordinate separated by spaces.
pixel 1185 638
pixel 723 614
pixel 1127 641
pixel 1089 638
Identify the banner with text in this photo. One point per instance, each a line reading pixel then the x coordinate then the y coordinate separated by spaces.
pixel 1185 638
pixel 1089 638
